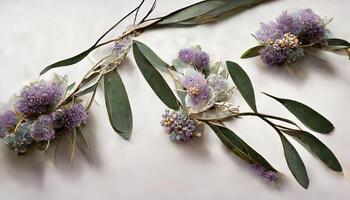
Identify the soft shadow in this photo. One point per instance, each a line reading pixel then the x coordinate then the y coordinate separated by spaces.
pixel 26 169
pixel 83 156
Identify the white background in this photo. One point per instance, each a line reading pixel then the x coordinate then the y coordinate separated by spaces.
pixel 36 33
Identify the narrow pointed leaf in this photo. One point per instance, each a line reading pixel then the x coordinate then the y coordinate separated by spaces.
pixel 68 61
pixel 239 147
pixel 152 57
pixel 71 86
pixel 338 43
pixel 252 52
pixel 117 103
pixel 316 147
pixel 243 83
pixel 155 79
pixel 191 11
pixel 294 162
pixel 306 115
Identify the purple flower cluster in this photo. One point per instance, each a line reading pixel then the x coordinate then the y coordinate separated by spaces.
pixel 39 98
pixel 283 38
pixel 75 116
pixel 198 91
pixel 7 120
pixel 178 125
pixel 195 57
pixel 38 116
pixel 265 174
pixel 42 129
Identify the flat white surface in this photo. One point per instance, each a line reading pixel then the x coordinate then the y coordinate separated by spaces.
pixel 37 32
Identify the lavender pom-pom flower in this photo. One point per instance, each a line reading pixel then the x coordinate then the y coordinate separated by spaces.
pixel 39 98
pixel 284 40
pixel 42 129
pixel 179 126
pixel 195 57
pixel 75 116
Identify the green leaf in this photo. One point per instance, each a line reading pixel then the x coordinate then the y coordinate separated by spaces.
pixel 152 57
pixel 306 115
pixel 155 79
pixel 294 162
pixel 117 103
pixel 239 147
pixel 338 42
pixel 252 52
pixel 190 12
pixel 71 86
pixel 87 90
pixel 243 83
pixel 209 11
pixel 317 147
pixel 68 61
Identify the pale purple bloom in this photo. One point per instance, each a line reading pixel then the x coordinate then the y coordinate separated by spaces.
pixel 267 175
pixel 195 57
pixel 220 87
pixel 313 30
pixel 75 116
pixel 8 119
pixel 187 55
pixel 39 98
pixel 198 91
pixel 271 56
pixel 21 140
pixel 178 125
pixel 42 128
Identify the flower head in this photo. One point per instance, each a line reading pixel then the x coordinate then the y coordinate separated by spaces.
pixel 195 57
pixel 265 174
pixel 220 87
pixel 21 139
pixel 313 30
pixel 178 125
pixel 75 116
pixel 39 98
pixel 7 120
pixel 198 92
pixel 42 129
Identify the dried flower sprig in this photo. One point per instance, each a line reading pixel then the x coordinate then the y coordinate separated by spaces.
pixel 290 37
pixel 40 114
pixel 204 94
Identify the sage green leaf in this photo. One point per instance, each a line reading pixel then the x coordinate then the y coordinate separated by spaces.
pixel 294 162
pixel 68 61
pixel 338 43
pixel 243 83
pixel 71 86
pixel 239 147
pixel 191 11
pixel 252 52
pixel 306 115
pixel 210 11
pixel 117 103
pixel 155 79
pixel 152 57
pixel 317 147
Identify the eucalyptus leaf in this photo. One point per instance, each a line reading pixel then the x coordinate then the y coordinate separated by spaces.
pixel 317 147
pixel 306 115
pixel 81 138
pixel 68 61
pixel 338 43
pixel 239 147
pixel 152 57
pixel 243 83
pixel 117 103
pixel 190 12
pixel 86 91
pixel 71 86
pixel 155 79
pixel 252 52
pixel 294 162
